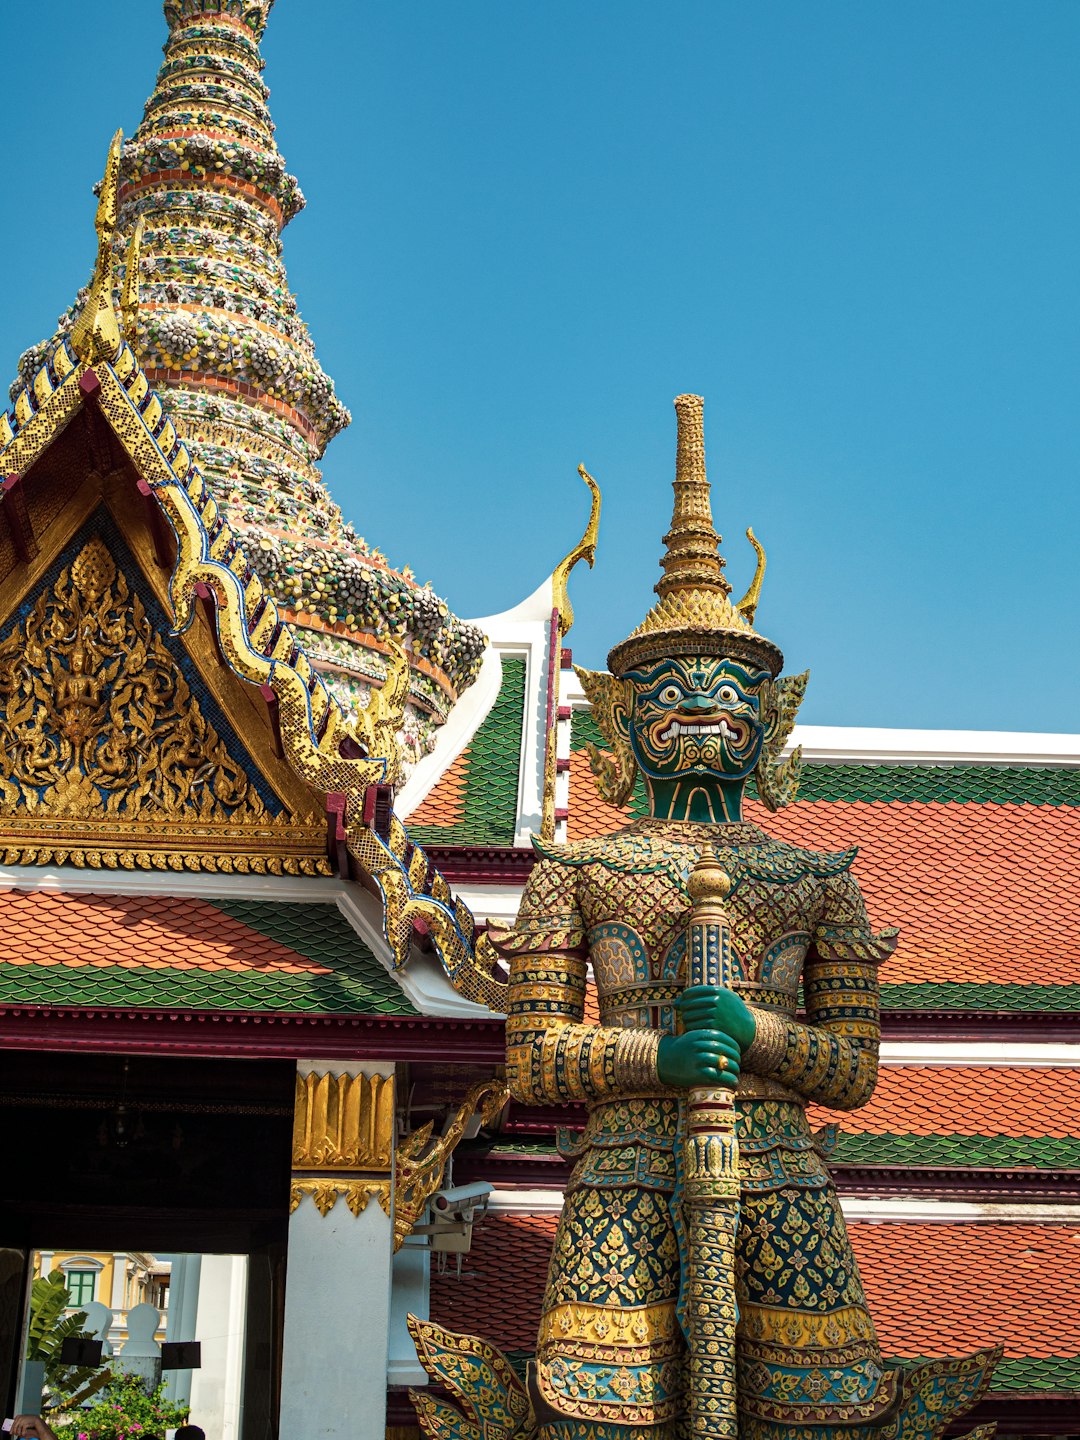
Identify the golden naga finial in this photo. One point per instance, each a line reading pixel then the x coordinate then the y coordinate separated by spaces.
pixel 585 549
pixel 379 725
pixel 129 295
pixel 96 333
pixel 420 1162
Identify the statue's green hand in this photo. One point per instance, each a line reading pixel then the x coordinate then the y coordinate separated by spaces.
pixel 699 1057
pixel 709 1007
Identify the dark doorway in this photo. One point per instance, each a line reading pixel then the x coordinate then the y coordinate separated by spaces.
pixel 114 1152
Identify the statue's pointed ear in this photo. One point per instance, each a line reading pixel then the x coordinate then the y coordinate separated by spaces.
pixel 778 780
pixel 610 701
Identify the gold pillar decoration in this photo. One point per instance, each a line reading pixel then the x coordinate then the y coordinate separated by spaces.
pixel 711 1193
pixel 343 1140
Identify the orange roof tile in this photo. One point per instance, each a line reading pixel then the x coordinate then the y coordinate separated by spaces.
pixel 444 804
pixel 942 1289
pixel 966 1100
pixel 136 932
pixel 980 892
pixel 501 1287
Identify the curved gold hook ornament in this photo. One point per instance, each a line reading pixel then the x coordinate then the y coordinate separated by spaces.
pixel 129 295
pixel 95 336
pixel 747 606
pixel 585 549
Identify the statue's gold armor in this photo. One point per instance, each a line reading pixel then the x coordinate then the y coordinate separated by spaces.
pixel 610 1346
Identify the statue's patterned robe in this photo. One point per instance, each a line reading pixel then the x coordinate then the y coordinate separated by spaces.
pixel 611 1350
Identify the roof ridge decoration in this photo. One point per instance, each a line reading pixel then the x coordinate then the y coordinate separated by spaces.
pixel 218 328
pixel 695 615
pixel 256 640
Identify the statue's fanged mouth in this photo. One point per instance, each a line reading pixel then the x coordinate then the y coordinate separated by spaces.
pixel 719 725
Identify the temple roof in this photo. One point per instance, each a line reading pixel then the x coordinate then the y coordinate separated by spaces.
pixel 219 333
pixel 189 953
pixel 963 1116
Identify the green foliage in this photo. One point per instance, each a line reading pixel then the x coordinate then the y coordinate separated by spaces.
pixel 67 1385
pixel 125 1411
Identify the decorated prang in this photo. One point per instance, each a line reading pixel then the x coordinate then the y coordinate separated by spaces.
pixel 202 191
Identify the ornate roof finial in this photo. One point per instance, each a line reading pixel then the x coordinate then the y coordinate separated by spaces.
pixel 585 550
pixel 95 334
pixel 129 295
pixel 694 614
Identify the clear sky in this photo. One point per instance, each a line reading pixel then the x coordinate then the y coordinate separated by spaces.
pixel 853 227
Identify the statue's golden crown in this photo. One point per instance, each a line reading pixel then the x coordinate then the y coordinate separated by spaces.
pixel 695 614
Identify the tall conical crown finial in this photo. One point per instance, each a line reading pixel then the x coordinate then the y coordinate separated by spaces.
pixel 694 615
pixel 692 556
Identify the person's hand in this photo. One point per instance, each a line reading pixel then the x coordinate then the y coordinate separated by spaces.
pixel 31 1427
pixel 698 1058
pixel 710 1007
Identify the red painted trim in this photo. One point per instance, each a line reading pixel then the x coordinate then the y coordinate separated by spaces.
pixel 250 1035
pixel 1001 1025
pixel 18 518
pixel 482 865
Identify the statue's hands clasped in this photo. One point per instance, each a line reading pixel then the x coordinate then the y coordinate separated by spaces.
pixel 718 1026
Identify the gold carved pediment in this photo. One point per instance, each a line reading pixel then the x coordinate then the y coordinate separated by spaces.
pixel 107 754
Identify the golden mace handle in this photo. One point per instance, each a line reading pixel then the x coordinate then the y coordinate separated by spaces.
pixel 711 1183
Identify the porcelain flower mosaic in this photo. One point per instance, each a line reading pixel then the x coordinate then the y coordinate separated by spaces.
pixel 219 333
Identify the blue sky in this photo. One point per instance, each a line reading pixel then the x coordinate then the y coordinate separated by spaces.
pixel 853 227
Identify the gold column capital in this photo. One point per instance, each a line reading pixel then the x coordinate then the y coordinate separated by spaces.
pixel 343 1140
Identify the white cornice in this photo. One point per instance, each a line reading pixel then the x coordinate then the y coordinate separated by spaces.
pixel 525 1202
pixel 958 1212
pixel 861 745
pixel 1001 1055
pixel 71 881
pixel 521 631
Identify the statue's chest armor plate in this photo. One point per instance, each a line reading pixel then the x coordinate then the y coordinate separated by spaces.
pixel 635 927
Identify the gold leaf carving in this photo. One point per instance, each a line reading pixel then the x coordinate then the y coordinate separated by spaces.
pixel 343 1122
pixel 105 752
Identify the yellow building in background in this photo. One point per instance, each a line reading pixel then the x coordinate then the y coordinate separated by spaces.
pixel 119 1280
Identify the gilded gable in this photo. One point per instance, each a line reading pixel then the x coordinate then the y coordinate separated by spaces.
pixel 112 749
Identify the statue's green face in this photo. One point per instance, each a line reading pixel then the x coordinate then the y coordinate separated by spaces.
pixel 696 717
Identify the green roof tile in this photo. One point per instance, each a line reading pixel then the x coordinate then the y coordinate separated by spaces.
pixel 1018 1373
pixel 963 995
pixel 493 760
pixel 345 977
pixel 959 1151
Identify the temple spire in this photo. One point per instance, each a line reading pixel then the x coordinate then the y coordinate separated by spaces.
pixel 212 320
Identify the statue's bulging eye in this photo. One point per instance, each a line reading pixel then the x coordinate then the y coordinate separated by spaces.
pixel 670 695
pixel 728 694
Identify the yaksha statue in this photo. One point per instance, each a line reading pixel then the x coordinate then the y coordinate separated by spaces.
pixel 695 704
